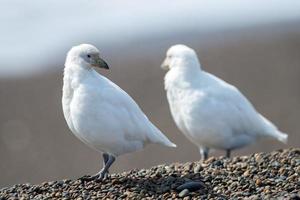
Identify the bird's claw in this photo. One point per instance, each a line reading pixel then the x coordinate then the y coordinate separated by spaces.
pixel 101 176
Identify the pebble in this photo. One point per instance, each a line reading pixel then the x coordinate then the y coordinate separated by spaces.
pixel 184 193
pixel 197 168
pixel 258 182
pixel 272 175
pixel 191 186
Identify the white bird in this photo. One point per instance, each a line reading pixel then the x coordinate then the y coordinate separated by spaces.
pixel 208 111
pixel 100 113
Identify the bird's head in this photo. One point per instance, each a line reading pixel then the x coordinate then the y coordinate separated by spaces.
pixel 180 56
pixel 85 55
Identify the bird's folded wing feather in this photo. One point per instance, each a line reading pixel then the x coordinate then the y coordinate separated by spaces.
pixel 135 124
pixel 241 113
pixel 227 107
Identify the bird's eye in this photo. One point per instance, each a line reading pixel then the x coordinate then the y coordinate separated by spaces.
pixel 88 55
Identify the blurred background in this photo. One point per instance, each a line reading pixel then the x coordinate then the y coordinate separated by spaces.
pixel 254 45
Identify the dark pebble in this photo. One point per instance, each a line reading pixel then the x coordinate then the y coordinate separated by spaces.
pixel 295 197
pixel 191 186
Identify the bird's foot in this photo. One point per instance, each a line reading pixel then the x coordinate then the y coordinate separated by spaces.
pixel 100 176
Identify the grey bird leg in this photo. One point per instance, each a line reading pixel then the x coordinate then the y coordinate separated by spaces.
pixel 104 171
pixel 228 152
pixel 105 160
pixel 204 152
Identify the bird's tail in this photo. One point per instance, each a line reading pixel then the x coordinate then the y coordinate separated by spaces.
pixel 282 137
pixel 272 131
pixel 168 144
pixel 159 138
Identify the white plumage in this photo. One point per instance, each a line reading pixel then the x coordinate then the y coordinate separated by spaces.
pixel 100 113
pixel 210 112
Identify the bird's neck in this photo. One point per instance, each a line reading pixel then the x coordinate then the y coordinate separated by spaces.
pixel 181 77
pixel 74 75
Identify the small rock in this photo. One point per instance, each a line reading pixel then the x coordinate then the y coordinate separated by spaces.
pixel 187 198
pixel 197 168
pixel 184 193
pixel 191 186
pixel 211 159
pixel 258 182
pixel 246 173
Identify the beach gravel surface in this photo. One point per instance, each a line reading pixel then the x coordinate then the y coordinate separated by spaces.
pixel 273 175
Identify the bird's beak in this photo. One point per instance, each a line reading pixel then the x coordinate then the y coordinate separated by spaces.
pixel 165 64
pixel 99 62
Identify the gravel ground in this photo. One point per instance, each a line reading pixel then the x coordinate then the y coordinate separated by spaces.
pixel 272 175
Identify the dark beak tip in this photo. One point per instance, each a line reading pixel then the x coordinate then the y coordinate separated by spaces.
pixel 105 66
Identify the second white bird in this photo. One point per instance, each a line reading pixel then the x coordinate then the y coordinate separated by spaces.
pixel 210 112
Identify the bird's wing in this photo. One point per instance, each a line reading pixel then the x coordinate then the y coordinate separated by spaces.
pixel 227 107
pixel 135 124
pixel 243 116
